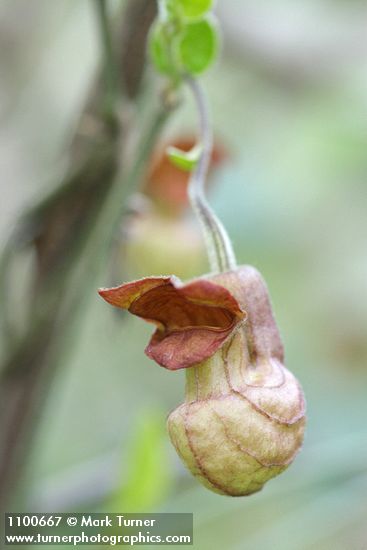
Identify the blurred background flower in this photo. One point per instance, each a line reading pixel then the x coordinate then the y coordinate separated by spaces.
pixel 159 235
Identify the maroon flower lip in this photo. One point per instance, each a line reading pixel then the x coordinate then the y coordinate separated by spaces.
pixel 193 320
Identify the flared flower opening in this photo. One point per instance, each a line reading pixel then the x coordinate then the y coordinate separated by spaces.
pixel 193 320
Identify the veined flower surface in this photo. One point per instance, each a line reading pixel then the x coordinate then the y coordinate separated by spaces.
pixel 243 418
pixel 193 320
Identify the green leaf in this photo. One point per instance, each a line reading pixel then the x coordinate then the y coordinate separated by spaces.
pixel 186 160
pixel 148 476
pixel 198 45
pixel 194 8
pixel 159 50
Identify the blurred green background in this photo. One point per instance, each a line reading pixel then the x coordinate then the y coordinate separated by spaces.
pixel 289 102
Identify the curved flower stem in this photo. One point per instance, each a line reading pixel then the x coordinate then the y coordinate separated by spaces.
pixel 220 251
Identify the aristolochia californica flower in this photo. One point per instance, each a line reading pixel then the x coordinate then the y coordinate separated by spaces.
pixel 242 422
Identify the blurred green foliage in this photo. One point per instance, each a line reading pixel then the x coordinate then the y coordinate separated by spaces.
pixel 181 46
pixel 186 160
pixel 147 476
pixel 199 45
pixel 193 8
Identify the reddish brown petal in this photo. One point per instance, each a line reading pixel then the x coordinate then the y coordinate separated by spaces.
pixel 193 320
pixel 124 295
pixel 182 349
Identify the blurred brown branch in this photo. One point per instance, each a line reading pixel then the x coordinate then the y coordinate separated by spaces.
pixel 71 232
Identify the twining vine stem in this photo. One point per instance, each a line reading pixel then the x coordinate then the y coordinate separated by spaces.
pixel 111 75
pixel 220 251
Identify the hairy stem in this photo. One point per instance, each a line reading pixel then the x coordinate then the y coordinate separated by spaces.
pixel 220 251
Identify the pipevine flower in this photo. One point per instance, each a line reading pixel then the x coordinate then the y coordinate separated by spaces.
pixel 158 220
pixel 166 184
pixel 243 418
